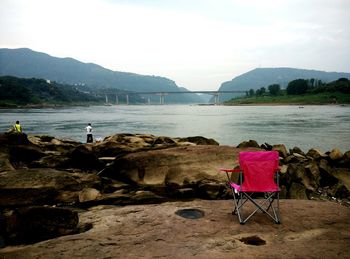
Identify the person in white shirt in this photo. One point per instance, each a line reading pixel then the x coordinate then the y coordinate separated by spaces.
pixel 89 133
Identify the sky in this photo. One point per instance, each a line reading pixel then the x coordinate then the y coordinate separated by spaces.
pixel 197 43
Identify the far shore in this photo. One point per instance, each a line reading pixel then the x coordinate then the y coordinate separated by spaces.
pixel 54 106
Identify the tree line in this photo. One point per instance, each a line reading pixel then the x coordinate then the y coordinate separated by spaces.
pixel 22 91
pixel 303 86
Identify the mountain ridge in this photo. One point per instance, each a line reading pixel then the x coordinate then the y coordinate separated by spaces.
pixel 26 63
pixel 263 77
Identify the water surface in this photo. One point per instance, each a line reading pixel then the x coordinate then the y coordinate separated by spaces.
pixel 322 127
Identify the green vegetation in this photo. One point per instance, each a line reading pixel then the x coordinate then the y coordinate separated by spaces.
pixel 299 91
pixel 21 92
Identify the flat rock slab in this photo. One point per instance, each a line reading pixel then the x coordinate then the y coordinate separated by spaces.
pixel 309 229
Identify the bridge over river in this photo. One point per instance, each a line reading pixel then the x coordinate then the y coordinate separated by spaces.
pixel 110 94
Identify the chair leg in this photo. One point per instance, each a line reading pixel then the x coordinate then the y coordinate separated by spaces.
pixel 260 206
pixel 237 205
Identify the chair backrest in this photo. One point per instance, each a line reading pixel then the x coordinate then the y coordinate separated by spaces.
pixel 259 170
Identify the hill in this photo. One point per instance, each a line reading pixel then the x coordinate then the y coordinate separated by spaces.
pixel 300 91
pixel 263 77
pixel 26 63
pixel 22 92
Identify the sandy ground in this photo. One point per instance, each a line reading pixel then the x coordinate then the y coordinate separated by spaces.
pixel 309 229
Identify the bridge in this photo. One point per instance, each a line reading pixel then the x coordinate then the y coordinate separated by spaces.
pixel 118 93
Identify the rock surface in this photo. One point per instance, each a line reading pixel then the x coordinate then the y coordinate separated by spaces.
pixel 36 223
pixel 309 229
pixel 129 169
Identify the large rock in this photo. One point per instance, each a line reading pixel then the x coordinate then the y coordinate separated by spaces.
pixel 345 160
pixel 250 143
pixel 49 143
pixel 198 140
pixel 5 164
pixel 335 154
pixel 34 224
pixel 84 158
pixel 296 150
pixel 120 144
pixel 12 138
pixel 281 149
pixel 43 186
pixel 303 174
pixel 178 167
pixel 316 154
pixel 342 188
pixel 309 229
pixel 25 154
pixel 297 191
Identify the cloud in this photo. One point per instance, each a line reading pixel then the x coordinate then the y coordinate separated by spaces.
pixel 197 43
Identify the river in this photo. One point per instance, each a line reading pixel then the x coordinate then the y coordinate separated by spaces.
pixel 323 127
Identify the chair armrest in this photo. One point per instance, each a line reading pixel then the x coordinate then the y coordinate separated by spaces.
pixel 237 170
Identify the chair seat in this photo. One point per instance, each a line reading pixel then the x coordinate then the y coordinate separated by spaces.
pixel 242 189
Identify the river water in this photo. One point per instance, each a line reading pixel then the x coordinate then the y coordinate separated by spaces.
pixel 322 127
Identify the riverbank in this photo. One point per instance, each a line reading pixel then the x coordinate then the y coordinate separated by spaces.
pixel 334 98
pixel 309 229
pixel 134 184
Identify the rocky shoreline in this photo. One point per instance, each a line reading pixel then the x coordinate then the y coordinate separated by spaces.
pixel 45 182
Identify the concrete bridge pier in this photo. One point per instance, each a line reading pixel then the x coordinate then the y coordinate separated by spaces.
pixel 106 98
pixel 216 99
pixel 127 99
pixel 116 99
pixel 161 97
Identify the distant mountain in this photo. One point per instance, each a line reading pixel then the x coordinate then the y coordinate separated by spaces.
pixel 26 63
pixel 263 77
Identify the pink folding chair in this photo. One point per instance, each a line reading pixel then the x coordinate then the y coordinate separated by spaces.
pixel 258 173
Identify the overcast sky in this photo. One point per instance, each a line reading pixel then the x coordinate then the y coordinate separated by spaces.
pixel 197 43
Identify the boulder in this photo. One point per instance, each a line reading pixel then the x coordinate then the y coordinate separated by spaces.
pixel 36 223
pixel 5 164
pixel 198 140
pixel 342 189
pixel 88 194
pixel 13 138
pixel 266 146
pixel 250 143
pixel 174 168
pixel 312 170
pixel 210 190
pixel 49 143
pixel 294 158
pixel 345 160
pixel 335 154
pixel 298 174
pixel 25 153
pixel 327 178
pixel 43 186
pixel 52 161
pixel 282 151
pixel 297 191
pixel 118 144
pixel 315 154
pixel 297 151
pixel 84 158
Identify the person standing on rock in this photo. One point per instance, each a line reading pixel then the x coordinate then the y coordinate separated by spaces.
pixel 89 133
pixel 17 127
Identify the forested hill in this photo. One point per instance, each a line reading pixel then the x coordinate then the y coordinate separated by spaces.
pixel 27 63
pixel 263 77
pixel 37 92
